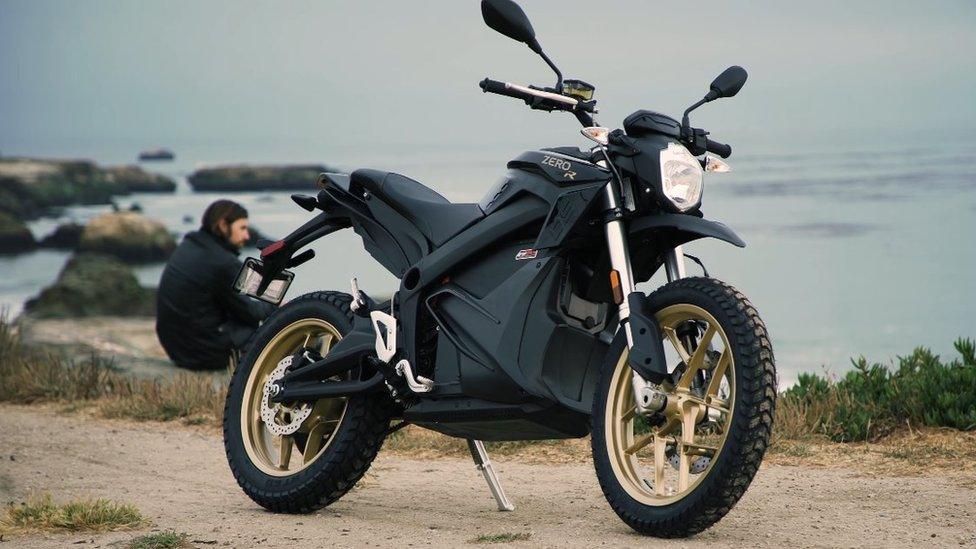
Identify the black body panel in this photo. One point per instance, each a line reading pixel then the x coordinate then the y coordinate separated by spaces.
pixel 477 419
pixel 559 167
pixel 641 123
pixel 436 217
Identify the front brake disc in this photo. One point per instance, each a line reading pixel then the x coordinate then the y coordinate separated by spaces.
pixel 698 465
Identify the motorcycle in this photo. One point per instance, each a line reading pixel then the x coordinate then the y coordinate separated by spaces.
pixel 518 318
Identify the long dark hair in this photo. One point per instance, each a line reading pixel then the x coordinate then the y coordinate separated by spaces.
pixel 221 210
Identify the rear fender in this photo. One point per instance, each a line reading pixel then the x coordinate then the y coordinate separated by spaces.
pixel 336 214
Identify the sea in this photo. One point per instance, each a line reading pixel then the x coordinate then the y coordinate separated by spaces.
pixel 853 250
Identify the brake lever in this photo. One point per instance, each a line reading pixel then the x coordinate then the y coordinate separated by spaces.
pixel 695 140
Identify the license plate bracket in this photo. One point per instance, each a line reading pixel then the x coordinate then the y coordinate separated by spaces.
pixel 251 275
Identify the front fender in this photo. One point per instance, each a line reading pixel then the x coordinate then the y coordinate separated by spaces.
pixel 681 228
pixel 651 236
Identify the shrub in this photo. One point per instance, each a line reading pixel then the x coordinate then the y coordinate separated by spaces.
pixel 872 399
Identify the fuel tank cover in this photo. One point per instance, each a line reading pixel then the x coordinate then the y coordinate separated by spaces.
pixel 559 168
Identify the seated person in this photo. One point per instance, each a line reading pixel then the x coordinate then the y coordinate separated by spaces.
pixel 201 321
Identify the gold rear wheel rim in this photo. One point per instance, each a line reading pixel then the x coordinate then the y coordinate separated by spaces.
pixel 287 455
pixel 695 421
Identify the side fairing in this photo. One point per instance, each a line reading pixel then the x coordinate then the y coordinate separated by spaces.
pixel 569 185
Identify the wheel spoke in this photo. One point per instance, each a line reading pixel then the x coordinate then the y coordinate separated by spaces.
pixel 659 463
pixel 629 414
pixel 689 415
pixel 284 444
pixel 676 343
pixel 697 361
pixel 315 439
pixel 718 374
pixel 641 442
pixel 718 404
pixel 325 343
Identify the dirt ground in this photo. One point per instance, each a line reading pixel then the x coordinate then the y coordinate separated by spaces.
pixel 178 477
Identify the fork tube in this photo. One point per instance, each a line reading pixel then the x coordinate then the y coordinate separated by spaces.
pixel 620 257
pixel 674 264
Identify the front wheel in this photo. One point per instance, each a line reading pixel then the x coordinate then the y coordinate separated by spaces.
pixel 676 472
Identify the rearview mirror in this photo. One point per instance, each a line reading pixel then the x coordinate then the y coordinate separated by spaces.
pixel 506 17
pixel 729 82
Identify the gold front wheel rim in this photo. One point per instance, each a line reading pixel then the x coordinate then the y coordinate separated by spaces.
pixel 661 462
pixel 287 455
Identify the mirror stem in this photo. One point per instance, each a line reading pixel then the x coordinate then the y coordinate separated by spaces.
pixel 534 46
pixel 684 118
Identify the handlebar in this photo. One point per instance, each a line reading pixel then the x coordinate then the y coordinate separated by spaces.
pixel 720 149
pixel 536 98
pixel 547 100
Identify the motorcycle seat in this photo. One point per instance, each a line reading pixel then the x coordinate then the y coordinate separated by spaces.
pixel 435 216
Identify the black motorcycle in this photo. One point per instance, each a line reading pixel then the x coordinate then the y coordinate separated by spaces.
pixel 517 318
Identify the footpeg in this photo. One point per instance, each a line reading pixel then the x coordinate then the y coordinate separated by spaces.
pixel 358 301
pixel 419 384
pixel 361 304
pixel 483 464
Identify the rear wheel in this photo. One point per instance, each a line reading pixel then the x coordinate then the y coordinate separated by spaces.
pixel 676 472
pixel 294 457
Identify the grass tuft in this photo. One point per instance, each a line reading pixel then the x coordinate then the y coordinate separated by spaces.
pixel 507 537
pixel 29 374
pixel 42 513
pixel 869 403
pixel 161 540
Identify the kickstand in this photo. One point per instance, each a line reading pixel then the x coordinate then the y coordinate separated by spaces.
pixel 483 464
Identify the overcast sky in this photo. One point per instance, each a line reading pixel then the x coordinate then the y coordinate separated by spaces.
pixel 326 74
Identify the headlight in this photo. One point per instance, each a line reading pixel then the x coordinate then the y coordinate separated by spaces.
pixel 681 177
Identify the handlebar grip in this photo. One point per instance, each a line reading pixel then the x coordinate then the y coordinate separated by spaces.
pixel 720 149
pixel 501 88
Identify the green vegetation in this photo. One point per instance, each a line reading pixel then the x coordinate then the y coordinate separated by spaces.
pixel 873 400
pixel 43 514
pixel 869 402
pixel 507 537
pixel 161 540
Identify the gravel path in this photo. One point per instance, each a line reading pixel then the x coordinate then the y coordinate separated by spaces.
pixel 178 477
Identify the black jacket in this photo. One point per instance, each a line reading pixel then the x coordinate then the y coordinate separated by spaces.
pixel 197 307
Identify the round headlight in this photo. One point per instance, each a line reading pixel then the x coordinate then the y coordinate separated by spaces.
pixel 681 177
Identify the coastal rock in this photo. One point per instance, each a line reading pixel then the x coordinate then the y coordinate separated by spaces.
pixel 156 154
pixel 28 187
pixel 256 178
pixel 93 285
pixel 15 237
pixel 136 180
pixel 65 237
pixel 128 236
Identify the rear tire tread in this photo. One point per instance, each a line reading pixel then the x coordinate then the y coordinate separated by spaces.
pixel 346 459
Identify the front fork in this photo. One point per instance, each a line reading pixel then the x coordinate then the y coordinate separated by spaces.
pixel 647 396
